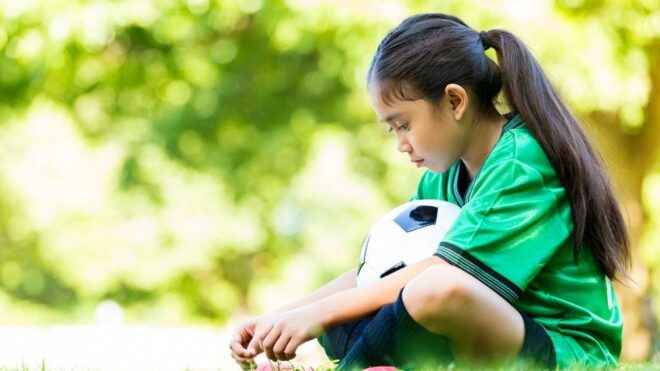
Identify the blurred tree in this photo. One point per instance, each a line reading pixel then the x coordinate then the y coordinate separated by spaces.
pixel 630 135
pixel 234 90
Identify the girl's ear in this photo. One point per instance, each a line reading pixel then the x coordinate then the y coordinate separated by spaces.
pixel 458 100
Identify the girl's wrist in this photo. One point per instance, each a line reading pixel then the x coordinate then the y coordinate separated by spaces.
pixel 323 316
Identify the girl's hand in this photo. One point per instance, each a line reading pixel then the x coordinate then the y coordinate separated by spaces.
pixel 238 345
pixel 282 333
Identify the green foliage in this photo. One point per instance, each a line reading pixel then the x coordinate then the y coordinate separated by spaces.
pixel 189 158
pixel 218 100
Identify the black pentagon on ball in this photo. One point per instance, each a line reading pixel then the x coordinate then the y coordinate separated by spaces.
pixel 415 217
pixel 396 267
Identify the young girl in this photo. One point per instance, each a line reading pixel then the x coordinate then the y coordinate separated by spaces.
pixel 525 271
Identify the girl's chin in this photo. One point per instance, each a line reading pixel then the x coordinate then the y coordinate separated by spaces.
pixel 435 168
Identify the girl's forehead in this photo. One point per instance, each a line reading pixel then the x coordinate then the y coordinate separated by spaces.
pixel 392 93
pixel 396 108
pixel 384 98
pixel 385 108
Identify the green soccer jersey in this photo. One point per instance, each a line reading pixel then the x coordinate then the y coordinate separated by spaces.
pixel 514 234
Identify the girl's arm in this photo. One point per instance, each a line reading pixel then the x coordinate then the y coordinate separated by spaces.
pixel 280 334
pixel 345 281
pixel 243 336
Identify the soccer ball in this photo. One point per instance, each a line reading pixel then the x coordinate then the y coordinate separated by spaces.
pixel 404 235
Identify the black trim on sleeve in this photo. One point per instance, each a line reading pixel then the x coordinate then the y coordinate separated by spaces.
pixel 465 261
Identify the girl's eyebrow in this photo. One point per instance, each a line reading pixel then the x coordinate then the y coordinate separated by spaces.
pixel 391 117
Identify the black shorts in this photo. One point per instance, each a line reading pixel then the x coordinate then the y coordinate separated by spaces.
pixel 537 346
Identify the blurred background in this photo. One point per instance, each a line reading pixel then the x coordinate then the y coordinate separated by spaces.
pixel 168 168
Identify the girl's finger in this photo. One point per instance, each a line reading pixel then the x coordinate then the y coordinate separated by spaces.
pixel 237 348
pixel 291 348
pixel 244 363
pixel 269 341
pixel 240 359
pixel 254 346
pixel 280 345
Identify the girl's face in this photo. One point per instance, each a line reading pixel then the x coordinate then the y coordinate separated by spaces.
pixel 430 134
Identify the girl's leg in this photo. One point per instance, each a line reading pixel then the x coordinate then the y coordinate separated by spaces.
pixel 339 340
pixel 393 338
pixel 443 306
pixel 479 323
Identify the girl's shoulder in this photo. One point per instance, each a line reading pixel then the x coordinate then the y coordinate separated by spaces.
pixel 517 157
pixel 517 143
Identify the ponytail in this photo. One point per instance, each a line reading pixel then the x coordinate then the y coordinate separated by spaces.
pixel 595 212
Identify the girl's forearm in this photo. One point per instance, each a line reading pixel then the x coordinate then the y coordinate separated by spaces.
pixel 355 303
pixel 345 281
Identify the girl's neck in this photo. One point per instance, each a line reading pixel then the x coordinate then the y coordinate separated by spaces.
pixel 488 129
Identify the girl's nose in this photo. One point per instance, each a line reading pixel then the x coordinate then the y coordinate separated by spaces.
pixel 402 144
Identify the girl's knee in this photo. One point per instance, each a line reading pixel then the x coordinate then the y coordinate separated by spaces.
pixel 439 293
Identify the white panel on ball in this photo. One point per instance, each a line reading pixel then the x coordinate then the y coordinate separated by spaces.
pixel 404 235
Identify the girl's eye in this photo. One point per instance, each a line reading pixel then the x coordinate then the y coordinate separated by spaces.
pixel 402 126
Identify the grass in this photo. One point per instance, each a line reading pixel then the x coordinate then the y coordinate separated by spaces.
pixel 291 366
pixel 24 367
pixel 330 365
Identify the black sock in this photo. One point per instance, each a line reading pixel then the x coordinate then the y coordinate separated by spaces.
pixel 339 340
pixel 394 338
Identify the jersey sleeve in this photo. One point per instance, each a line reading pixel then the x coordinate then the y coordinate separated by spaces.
pixel 509 229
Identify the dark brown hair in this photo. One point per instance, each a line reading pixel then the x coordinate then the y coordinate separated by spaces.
pixel 426 52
